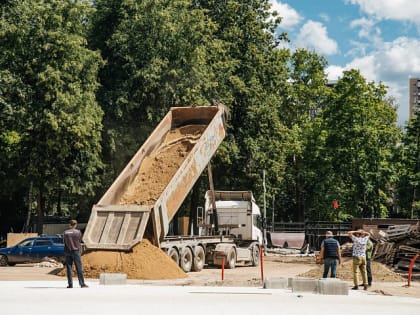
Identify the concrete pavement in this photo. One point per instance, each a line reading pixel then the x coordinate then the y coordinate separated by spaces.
pixel 52 297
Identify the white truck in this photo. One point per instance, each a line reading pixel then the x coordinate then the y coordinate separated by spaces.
pixel 230 233
pixel 228 223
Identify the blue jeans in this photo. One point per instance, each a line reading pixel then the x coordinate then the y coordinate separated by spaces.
pixel 330 263
pixel 74 256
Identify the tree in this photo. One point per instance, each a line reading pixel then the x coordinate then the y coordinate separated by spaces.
pixel 159 54
pixel 256 77
pixel 361 134
pixel 306 94
pixel 408 189
pixel 51 124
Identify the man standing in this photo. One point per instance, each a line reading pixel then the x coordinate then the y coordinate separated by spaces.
pixel 72 239
pixel 360 239
pixel 369 253
pixel 331 253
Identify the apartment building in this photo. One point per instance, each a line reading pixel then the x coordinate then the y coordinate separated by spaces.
pixel 414 98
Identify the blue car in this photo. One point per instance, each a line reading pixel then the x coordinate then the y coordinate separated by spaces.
pixel 33 250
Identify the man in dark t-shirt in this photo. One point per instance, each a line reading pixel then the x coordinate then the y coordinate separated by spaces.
pixel 72 239
pixel 331 253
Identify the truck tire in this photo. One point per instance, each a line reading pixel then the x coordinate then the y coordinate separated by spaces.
pixel 186 260
pixel 255 252
pixel 199 259
pixel 174 255
pixel 231 259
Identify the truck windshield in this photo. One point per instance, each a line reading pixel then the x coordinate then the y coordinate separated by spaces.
pixel 257 221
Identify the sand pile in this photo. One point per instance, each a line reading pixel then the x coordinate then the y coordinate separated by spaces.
pixel 146 261
pixel 380 272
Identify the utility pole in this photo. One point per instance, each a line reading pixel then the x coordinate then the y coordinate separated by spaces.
pixel 265 217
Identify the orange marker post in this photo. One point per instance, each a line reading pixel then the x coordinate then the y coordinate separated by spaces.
pixel 410 268
pixel 223 268
pixel 262 263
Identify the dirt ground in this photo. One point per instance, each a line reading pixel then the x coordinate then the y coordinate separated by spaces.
pixel 385 281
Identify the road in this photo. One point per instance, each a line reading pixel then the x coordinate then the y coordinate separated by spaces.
pixel 51 297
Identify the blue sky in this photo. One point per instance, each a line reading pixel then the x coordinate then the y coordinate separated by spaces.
pixel 381 38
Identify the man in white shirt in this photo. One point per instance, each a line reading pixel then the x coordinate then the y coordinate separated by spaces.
pixel 360 239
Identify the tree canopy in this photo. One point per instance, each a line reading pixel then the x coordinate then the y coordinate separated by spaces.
pixel 82 85
pixel 51 122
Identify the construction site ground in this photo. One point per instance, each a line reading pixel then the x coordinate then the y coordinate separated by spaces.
pixel 386 281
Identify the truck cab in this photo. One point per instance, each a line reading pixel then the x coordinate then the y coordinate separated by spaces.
pixel 234 213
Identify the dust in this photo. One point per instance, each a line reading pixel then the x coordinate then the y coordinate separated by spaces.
pixel 146 261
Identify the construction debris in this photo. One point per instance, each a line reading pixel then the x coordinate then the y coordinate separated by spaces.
pixel 396 245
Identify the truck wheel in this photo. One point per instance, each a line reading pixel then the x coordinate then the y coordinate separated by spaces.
pixel 199 258
pixel 186 260
pixel 255 255
pixel 231 259
pixel 3 260
pixel 173 254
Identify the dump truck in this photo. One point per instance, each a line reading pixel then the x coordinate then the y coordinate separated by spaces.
pixel 149 191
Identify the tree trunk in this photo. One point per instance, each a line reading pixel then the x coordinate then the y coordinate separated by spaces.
pixel 40 213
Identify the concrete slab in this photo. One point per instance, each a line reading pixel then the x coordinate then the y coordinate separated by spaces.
pixel 112 278
pixel 276 283
pixel 331 286
pixel 305 285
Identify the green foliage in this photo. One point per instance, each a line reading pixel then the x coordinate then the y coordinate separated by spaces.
pixel 253 75
pixel 408 188
pixel 160 54
pixel 51 121
pixel 60 129
pixel 361 135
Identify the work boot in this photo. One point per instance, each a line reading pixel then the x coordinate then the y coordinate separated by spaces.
pixel 84 286
pixel 355 288
pixel 365 287
pixel 69 286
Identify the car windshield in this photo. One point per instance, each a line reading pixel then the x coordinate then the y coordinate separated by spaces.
pixel 26 243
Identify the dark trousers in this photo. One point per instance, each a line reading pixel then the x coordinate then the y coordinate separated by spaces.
pixel 369 271
pixel 74 256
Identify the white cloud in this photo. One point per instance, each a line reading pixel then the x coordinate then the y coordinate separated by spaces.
pixel 325 17
pixel 393 63
pixel 359 49
pixel 314 35
pixel 290 17
pixel 367 28
pixel 334 72
pixel 401 10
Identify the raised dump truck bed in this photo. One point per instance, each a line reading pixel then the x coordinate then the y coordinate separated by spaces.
pixel 121 217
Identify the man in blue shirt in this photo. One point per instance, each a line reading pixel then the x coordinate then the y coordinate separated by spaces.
pixel 331 253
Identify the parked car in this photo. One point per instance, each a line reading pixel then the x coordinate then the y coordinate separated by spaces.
pixel 33 250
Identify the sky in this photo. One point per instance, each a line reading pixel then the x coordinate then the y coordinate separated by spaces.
pixel 381 38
